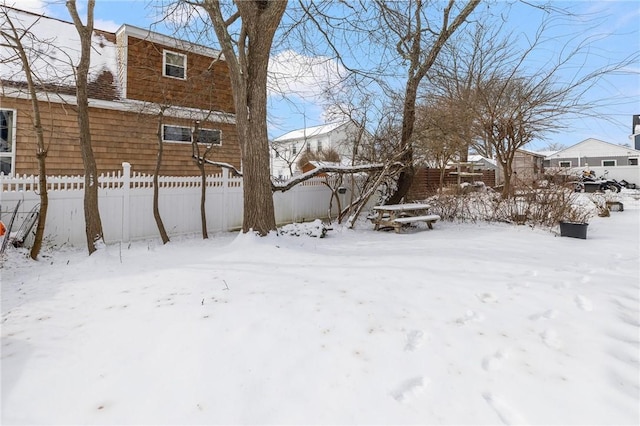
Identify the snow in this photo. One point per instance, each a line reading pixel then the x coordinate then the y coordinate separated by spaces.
pixel 53 48
pixel 310 132
pixel 463 324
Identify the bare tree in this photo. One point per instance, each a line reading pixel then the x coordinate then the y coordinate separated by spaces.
pixel 515 104
pixel 246 53
pixel 93 223
pixel 15 39
pixel 156 186
pixel 439 135
pixel 201 162
pixel 419 41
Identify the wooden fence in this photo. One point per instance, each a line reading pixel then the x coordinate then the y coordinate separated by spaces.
pixel 126 204
pixel 427 181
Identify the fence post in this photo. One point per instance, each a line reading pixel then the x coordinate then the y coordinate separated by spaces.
pixel 126 198
pixel 225 190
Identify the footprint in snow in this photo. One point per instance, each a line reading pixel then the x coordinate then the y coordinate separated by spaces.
pixel 551 339
pixel 547 315
pixel 470 316
pixel 494 362
pixel 409 389
pixel 487 297
pixel 583 303
pixel 508 415
pixel 415 339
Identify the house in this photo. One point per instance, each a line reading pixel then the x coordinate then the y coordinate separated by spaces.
pixel 332 142
pixel 142 86
pixel 620 162
pixel 481 163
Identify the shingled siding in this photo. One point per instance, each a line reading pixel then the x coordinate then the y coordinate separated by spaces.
pixel 207 85
pixel 117 136
pixel 427 181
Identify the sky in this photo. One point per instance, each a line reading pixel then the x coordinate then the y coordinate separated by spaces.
pixel 612 26
pixel 464 324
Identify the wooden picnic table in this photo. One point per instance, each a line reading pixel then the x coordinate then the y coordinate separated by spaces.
pixel 396 215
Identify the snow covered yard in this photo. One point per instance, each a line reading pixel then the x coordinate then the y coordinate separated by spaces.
pixel 462 324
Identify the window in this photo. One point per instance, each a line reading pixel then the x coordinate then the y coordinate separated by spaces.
pixel 564 163
pixel 633 161
pixel 176 134
pixel 609 163
pixel 183 134
pixel 319 146
pixel 294 149
pixel 209 137
pixel 174 65
pixel 7 140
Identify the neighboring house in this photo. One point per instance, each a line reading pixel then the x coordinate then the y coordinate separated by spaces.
pixel 594 153
pixel 481 163
pixel 620 162
pixel 135 74
pixel 288 149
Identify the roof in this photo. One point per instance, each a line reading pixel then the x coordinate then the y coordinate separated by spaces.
pixel 476 158
pixel 145 34
pixel 53 47
pixel 546 153
pixel 590 144
pixel 310 131
pixel 535 154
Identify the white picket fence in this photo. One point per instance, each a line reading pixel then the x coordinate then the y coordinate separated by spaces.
pixel 126 204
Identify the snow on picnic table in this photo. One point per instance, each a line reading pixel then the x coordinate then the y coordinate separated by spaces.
pixel 462 324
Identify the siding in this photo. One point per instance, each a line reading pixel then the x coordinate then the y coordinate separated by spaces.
pixel 207 87
pixel 591 161
pixel 117 136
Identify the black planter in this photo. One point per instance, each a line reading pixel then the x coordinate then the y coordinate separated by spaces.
pixel 574 229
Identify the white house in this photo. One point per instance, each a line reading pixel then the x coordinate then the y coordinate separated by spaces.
pixel 621 162
pixel 288 149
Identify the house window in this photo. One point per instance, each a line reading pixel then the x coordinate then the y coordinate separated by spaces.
pixel 210 137
pixel 609 163
pixel 174 65
pixel 308 147
pixel 7 140
pixel 633 161
pixel 564 163
pixel 176 134
pixel 183 134
pixel 294 149
pixel 319 146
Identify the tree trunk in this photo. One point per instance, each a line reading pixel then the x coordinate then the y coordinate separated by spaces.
pixel 203 199
pixel 41 153
pixel 156 186
pixel 408 121
pixel 247 64
pixel 42 178
pixel 93 223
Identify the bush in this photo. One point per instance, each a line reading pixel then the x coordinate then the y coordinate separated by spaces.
pixel 536 207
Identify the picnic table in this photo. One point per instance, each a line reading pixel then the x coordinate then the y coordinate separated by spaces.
pixel 397 215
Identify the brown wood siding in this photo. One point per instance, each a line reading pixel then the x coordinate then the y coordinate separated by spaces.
pixel 207 87
pixel 117 136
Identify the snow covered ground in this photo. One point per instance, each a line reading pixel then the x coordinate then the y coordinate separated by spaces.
pixel 462 324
